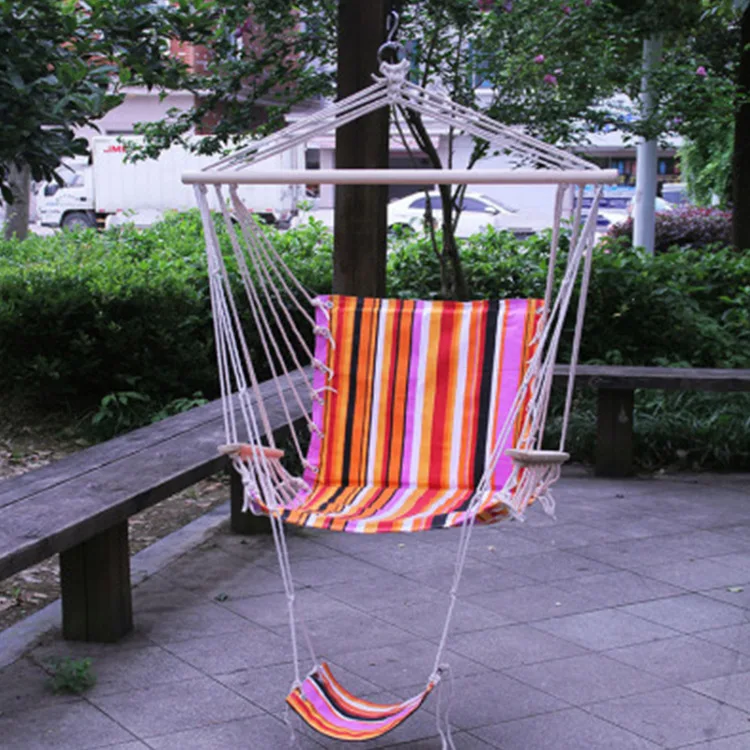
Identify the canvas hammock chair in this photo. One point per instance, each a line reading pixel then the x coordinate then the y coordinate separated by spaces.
pixel 421 414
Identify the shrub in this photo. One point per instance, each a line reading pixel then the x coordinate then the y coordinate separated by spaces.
pixel 119 323
pixel 688 226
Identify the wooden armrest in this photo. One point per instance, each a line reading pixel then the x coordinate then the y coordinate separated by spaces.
pixel 245 450
pixel 532 457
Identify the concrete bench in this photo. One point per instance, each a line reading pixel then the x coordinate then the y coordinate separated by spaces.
pixel 616 386
pixel 79 506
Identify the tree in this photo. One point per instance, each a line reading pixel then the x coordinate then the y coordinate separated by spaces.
pixel 550 67
pixel 62 67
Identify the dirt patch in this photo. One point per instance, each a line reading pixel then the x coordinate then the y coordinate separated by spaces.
pixel 24 448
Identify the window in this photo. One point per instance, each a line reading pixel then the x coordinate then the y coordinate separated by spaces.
pixel 472 204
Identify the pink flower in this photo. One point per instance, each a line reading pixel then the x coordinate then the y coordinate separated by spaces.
pixel 550 79
pixel 701 71
pixel 587 3
pixel 567 10
pixel 508 6
pixel 485 5
pixel 539 59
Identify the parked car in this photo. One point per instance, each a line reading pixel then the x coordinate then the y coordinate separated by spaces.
pixel 478 213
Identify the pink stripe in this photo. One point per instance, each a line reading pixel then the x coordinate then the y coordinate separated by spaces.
pixel 311 691
pixel 319 381
pixel 412 395
pixel 509 372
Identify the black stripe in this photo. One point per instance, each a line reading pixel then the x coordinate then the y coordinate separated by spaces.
pixel 485 390
pixel 346 464
pixel 365 450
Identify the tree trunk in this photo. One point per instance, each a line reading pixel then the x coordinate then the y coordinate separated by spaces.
pixel 360 214
pixel 17 213
pixel 741 157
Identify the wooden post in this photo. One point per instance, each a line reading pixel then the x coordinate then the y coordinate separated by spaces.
pixel 95 582
pixel 614 433
pixel 360 212
pixel 240 522
pixel 741 157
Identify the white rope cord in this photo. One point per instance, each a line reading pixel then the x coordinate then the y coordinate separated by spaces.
pixel 331 117
pixel 577 215
pixel 581 312
pixel 265 331
pixel 255 250
pixel 228 335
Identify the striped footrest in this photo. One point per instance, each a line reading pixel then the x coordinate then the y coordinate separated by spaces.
pixel 329 709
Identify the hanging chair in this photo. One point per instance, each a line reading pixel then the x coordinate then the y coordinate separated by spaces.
pixel 422 414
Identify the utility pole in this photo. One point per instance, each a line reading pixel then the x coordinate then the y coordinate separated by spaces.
pixel 644 220
pixel 359 248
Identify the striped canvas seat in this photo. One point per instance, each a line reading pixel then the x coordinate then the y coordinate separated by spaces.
pixel 329 709
pixel 419 392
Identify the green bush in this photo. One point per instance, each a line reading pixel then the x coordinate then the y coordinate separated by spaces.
pixel 119 323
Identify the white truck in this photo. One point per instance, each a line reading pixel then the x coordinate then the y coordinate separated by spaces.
pixel 110 191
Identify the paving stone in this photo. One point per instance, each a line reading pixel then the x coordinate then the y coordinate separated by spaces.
pixel 739 596
pixel 554 566
pixel 270 610
pixel 672 717
pixel 256 733
pixel 512 646
pixel 537 602
pixel 571 729
pixel 165 709
pixel 614 589
pixel 172 623
pixel 143 667
pixel 570 535
pixel 736 742
pixel 214 571
pixel 688 613
pixel 128 746
pixel 462 741
pixel 394 667
pixel 735 637
pixel 260 549
pixel 341 569
pixel 698 575
pixel 68 725
pixel 427 618
pixel 250 647
pixel 268 687
pixel 733 689
pixel 604 629
pixel 639 525
pixel 682 660
pixel 508 540
pixel 352 632
pixel 385 590
pixel 489 698
pixel 24 686
pixel 587 678
pixel 478 577
pixel 738 560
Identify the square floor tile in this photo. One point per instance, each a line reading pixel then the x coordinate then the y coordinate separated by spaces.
pixel 688 613
pixel 512 646
pixel 682 660
pixel 604 629
pixel 76 725
pixel 175 707
pixel 672 718
pixel 587 678
pixel 735 637
pixel 572 729
pixel 733 689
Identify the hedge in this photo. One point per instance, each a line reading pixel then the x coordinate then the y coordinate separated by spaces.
pixel 125 315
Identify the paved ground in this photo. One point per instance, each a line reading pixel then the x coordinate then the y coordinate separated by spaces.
pixel 625 625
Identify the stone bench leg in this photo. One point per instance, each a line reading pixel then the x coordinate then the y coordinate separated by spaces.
pixel 614 433
pixel 95 581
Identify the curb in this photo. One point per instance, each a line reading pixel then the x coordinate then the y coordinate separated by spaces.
pixel 16 640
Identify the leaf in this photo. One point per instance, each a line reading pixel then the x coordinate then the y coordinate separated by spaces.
pixel 735 589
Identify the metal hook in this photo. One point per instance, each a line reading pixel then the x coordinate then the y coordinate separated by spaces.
pixel 391 25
